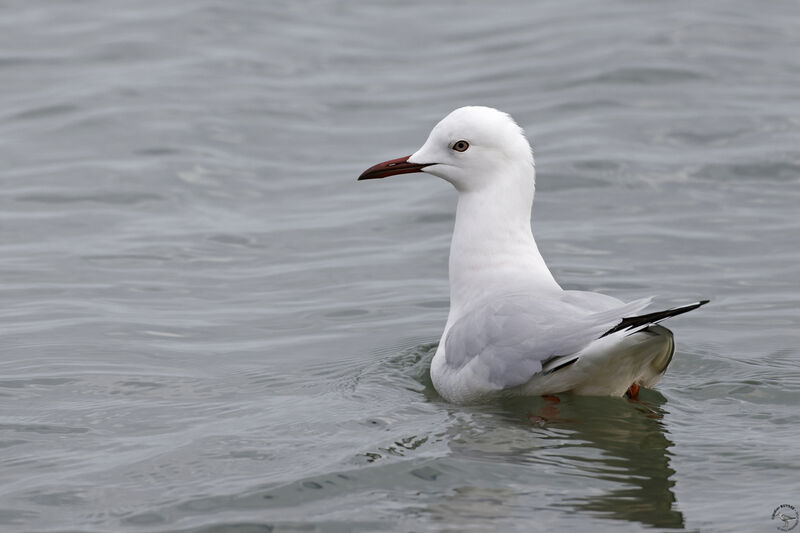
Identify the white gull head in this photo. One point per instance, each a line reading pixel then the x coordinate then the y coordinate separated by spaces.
pixel 474 146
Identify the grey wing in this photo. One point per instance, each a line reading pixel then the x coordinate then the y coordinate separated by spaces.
pixel 509 339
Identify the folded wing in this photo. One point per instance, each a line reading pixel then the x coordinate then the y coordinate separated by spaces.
pixel 508 340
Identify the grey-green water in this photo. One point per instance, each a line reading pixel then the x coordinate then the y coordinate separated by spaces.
pixel 208 325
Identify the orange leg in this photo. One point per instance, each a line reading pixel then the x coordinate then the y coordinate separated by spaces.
pixel 633 392
pixel 548 412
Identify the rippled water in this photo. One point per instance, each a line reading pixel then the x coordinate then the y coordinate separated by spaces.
pixel 208 325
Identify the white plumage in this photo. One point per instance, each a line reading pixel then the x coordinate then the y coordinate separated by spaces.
pixel 512 330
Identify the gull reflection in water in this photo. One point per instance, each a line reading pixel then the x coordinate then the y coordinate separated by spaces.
pixel 606 458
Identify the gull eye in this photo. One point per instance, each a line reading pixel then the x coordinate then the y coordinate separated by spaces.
pixel 460 146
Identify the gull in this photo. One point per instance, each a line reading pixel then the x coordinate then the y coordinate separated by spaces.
pixel 511 329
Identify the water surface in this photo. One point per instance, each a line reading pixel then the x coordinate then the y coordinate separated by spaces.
pixel 208 325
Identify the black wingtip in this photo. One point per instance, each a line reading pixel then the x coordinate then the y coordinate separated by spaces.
pixel 651 318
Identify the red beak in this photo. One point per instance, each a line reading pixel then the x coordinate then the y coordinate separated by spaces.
pixel 390 168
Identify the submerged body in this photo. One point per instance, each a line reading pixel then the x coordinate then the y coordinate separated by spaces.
pixel 511 329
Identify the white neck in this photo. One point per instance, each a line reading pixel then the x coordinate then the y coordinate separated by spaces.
pixel 492 243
